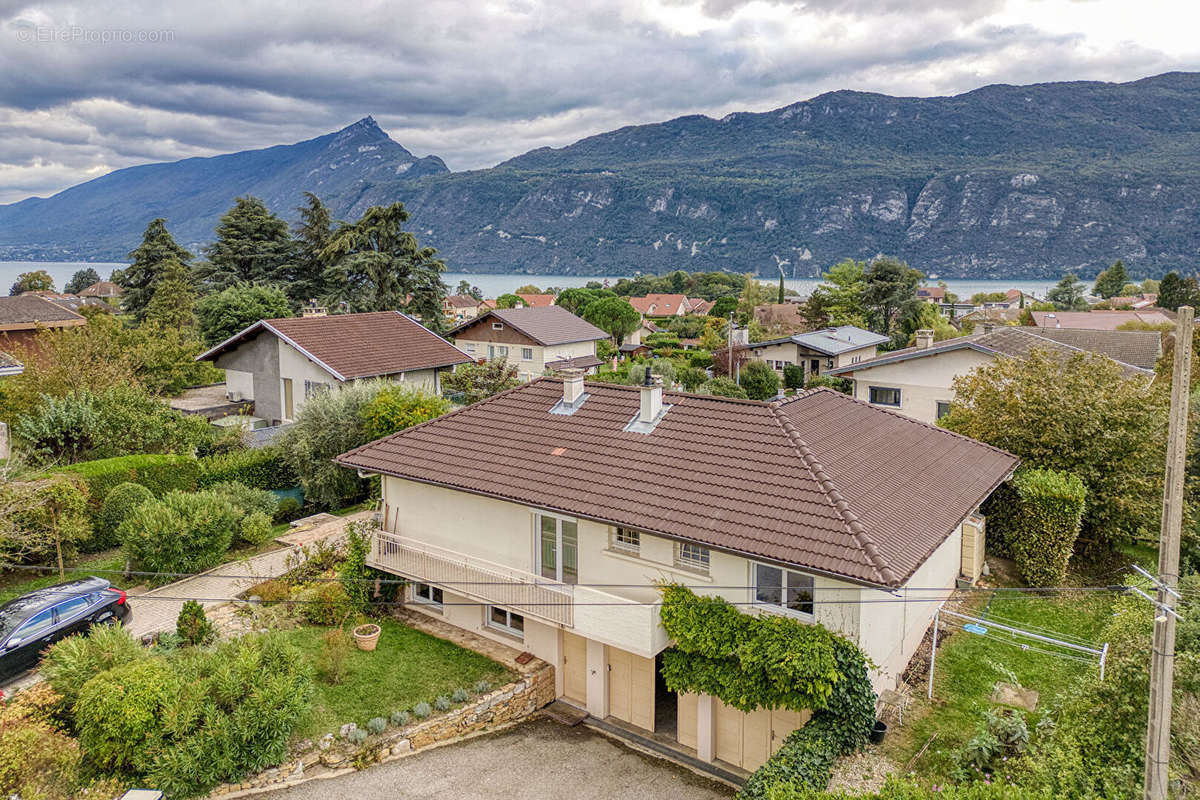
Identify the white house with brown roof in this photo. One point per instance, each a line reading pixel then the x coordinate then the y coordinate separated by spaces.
pixel 819 351
pixel 534 339
pixel 919 381
pixel 545 516
pixel 280 363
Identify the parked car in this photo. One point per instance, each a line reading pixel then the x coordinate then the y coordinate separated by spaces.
pixel 34 621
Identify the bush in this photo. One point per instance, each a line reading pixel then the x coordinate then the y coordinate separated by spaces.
pixel 483 686
pixel 700 360
pixel 398 719
pixel 723 387
pixel 460 695
pixel 264 468
pixel 759 380
pixel 181 533
pixel 1042 526
pixel 272 591
pixel 72 662
pixel 843 385
pixel 356 736
pixel 793 376
pixel 118 714
pixel 192 625
pixel 40 518
pixel 422 710
pixel 158 473
pixel 37 760
pixel 331 661
pixel 895 788
pixel 323 602
pixel 288 509
pixel 396 407
pixel 442 703
pixel 376 725
pixel 254 507
pixel 120 501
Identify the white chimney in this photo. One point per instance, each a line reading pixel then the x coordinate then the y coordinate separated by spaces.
pixel 651 399
pixel 924 339
pixel 572 385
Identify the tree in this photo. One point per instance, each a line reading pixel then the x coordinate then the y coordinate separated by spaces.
pixel 1149 286
pixel 754 294
pixel 81 280
pixel 1114 441
pixel 476 382
pixel 252 245
pixel 528 288
pixel 465 288
pixel 723 387
pixel 172 305
pixel 691 378
pixel 312 235
pixel 759 381
pixel 723 306
pixel 35 281
pixel 231 310
pixel 924 316
pixel 141 277
pixel 1110 281
pixel 509 300
pixel 614 316
pixel 1130 290
pixel 396 407
pixel 890 291
pixel 1067 294
pixel 782 288
pixel 1174 291
pixel 41 518
pixel 574 300
pixel 376 265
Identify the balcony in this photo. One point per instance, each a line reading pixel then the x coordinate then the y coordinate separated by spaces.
pixel 598 615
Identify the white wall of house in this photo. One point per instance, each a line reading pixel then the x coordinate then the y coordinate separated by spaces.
pixel 527 368
pixel 239 384
pixel 792 353
pixel 923 382
pixel 299 368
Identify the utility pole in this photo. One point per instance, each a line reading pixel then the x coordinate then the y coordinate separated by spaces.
pixel 1162 665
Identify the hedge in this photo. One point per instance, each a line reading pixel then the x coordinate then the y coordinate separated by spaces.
pixel 264 468
pixel 158 473
pixel 1044 523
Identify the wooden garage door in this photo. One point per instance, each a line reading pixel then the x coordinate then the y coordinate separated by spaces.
pixel 631 688
pixel 747 740
pixel 574 667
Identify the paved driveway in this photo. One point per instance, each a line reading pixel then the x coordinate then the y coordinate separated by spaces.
pixel 539 760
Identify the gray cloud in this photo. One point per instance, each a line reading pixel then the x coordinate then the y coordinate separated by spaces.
pixel 86 87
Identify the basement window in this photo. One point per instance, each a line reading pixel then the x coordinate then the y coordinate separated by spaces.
pixel 429 595
pixel 506 621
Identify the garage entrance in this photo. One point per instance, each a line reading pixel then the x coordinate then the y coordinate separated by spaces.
pixel 630 688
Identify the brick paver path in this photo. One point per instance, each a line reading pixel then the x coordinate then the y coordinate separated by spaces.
pixel 156 610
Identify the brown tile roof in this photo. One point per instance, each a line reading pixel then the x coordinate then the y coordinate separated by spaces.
pixel 547 325
pixel 700 305
pixel 660 305
pixel 27 311
pixel 935 292
pixel 578 362
pixel 537 300
pixel 1139 348
pixel 1011 341
pixel 352 346
pixel 822 481
pixel 461 301
pixel 1100 320
pixel 102 289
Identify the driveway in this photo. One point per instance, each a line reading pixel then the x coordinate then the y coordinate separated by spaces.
pixel 538 760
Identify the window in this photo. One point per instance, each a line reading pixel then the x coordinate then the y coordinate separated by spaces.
pixel 502 351
pixel 527 354
pixel 507 621
pixel 691 556
pixel 36 626
pixel 783 589
pixel 71 608
pixel 943 408
pixel 468 348
pixel 558 548
pixel 883 396
pixel 312 388
pixel 497 326
pixel 424 593
pixel 626 541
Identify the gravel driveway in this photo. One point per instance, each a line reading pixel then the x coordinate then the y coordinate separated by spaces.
pixel 539 760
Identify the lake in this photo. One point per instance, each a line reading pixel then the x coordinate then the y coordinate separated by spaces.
pixel 493 285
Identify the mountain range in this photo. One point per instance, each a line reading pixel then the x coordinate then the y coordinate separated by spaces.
pixel 1001 182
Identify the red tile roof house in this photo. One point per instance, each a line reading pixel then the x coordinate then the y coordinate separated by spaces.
pixel 534 339
pixel 24 316
pixel 662 305
pixel 544 516
pixel 279 363
pixel 537 300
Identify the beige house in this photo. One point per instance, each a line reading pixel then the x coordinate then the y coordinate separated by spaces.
pixel 919 381
pixel 534 339
pixel 545 516
pixel 818 351
pixel 459 308
pixel 280 363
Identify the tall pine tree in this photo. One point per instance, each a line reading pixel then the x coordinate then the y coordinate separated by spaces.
pixel 173 303
pixel 1111 281
pixel 141 277
pixel 313 233
pixel 252 246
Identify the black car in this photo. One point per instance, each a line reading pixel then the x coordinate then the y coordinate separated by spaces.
pixel 33 622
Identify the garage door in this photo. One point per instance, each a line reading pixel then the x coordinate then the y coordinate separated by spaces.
pixel 747 740
pixel 574 667
pixel 631 688
pixel 686 719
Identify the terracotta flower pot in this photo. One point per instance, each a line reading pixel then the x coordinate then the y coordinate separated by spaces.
pixel 366 636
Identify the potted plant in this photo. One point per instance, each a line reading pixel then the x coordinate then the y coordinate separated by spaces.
pixel 367 636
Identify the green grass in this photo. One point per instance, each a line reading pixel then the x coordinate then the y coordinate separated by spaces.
pixel 969 665
pixel 406 668
pixel 18 582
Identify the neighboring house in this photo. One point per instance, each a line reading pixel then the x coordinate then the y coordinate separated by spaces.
pixel 1001 316
pixel 931 294
pixel 280 363
pixel 919 381
pixel 24 316
pixel 634 350
pixel 643 330
pixel 1100 320
pixel 662 305
pixel 955 310
pixel 462 307
pixel 818 351
pixel 546 516
pixel 700 306
pixel 103 289
pixel 781 317
pixel 10 365
pixel 537 300
pixel 1136 303
pixel 532 339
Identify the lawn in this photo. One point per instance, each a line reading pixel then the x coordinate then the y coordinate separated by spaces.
pixel 104 564
pixel 969 665
pixel 406 668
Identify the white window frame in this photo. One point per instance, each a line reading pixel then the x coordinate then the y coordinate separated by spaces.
pixel 468 348
pixel 781 607
pixel 502 350
pixel 538 515
pixel 497 326
pixel 428 601
pixel 625 540
pixel 699 561
pixel 899 396
pixel 527 354
pixel 508 629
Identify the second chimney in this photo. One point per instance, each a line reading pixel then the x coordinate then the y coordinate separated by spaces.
pixel 652 392
pixel 924 339
pixel 572 385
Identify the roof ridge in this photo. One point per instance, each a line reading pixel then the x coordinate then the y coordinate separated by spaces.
pixel 861 536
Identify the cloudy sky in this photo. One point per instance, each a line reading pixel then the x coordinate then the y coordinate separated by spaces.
pixel 88 87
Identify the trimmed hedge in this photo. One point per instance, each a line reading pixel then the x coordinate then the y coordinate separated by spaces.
pixel 1044 523
pixel 264 468
pixel 123 498
pixel 158 473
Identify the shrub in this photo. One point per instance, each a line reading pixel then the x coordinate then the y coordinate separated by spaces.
pixel 192 625
pixel 255 528
pixel 793 376
pixel 72 662
pixel 331 661
pixel 460 695
pixel 120 501
pixel 691 378
pixel 37 760
pixel 843 385
pixel 723 387
pixel 441 703
pixel 288 509
pixel 272 591
pixel 158 473
pixel 1042 526
pixel 357 736
pixel 376 725
pixel 759 380
pixel 422 710
pixel 323 602
pixel 182 532
pixel 264 468
pixel 118 714
pixel 398 719
pixel 700 360
pixel 254 507
pixel 40 518
pixel 396 407
pixel 483 686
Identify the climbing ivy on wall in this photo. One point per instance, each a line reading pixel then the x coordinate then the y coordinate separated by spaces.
pixel 771 661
